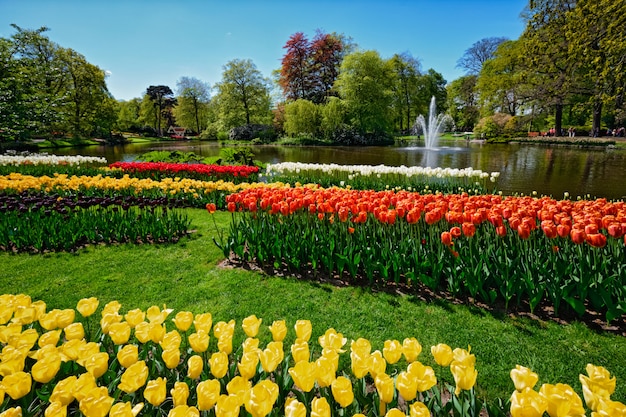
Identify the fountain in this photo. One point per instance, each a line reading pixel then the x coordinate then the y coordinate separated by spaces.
pixel 435 124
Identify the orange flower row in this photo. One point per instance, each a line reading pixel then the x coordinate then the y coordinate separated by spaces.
pixel 590 221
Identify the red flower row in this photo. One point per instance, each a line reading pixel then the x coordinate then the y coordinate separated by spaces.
pixel 203 169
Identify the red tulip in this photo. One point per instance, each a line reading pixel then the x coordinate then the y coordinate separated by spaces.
pixel 446 238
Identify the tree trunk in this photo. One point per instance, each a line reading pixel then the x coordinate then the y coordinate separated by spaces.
pixel 597 116
pixel 558 119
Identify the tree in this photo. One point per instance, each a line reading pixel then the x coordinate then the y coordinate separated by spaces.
pixel 162 97
pixel 365 84
pixel 301 118
pixel 295 74
pixel 406 88
pixel 463 102
pixel 243 95
pixel 128 116
pixel 431 84
pixel 326 55
pixel 193 99
pixel 476 55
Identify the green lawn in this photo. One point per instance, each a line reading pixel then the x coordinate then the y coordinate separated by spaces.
pixel 187 276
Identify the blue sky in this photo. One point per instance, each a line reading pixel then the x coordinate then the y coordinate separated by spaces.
pixel 156 42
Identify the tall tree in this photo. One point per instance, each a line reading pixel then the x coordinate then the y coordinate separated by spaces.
pixel 243 95
pixel 406 88
pixel 432 84
pixel 193 99
pixel 326 54
pixel 162 97
pixel 294 73
pixel 463 102
pixel 476 55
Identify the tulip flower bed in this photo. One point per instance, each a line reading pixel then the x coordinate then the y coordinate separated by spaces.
pixel 43 164
pixel 204 172
pixel 512 250
pixel 49 222
pixel 381 177
pixel 193 193
pixel 56 363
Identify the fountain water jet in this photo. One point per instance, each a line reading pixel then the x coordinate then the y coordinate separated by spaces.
pixel 435 124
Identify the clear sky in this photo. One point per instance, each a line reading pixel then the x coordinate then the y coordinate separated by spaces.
pixel 156 42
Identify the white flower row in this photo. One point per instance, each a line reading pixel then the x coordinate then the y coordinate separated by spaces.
pixel 367 170
pixel 45 159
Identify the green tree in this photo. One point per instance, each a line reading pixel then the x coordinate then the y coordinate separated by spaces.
pixel 193 100
pixel 162 98
pixel 406 89
pixel 243 95
pixel 333 115
pixel 480 52
pixel 365 83
pixel 463 102
pixel 302 118
pixel 129 114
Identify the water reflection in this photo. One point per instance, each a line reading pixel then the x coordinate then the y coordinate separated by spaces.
pixel 526 168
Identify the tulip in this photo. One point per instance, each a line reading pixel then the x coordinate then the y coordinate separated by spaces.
pixel 156 315
pixel 303 329
pixel 199 341
pixel 87 306
pixel 424 375
pixel 227 406
pixel 294 408
pixel 442 354
pixel 171 357
pixel 125 410
pixel 332 340
pixel 183 320
pixel 597 385
pixel 97 364
pixel 411 349
pixel 464 357
pixel 194 366
pixel 376 364
pixel 74 331
pixel 12 360
pixel 248 364
pixel 134 317
pixel 394 412
pixel 17 384
pixel 171 340
pixel 278 330
pixel 528 403
pixel 219 364
pixel 562 400
pixel 300 350
pixel 225 344
pixel 419 409
pixel 62 392
pixel 156 331
pixel 46 368
pixel 55 409
pixel 251 325
pixel 320 407
pixel 50 338
pixel 208 391
pixel 96 403
pixel 155 391
pixel 180 393
pixel 407 386
pixel 342 391
pixel 134 377
pixel 271 356
pixel 464 376
pixel 222 328
pixel 303 375
pixel 251 344
pixel 128 355
pixel 392 351
pixel 119 332
pixel 523 378
pixel 385 387
pixel 12 412
pixel 609 408
pixel 446 238
pixel 142 331
pixel 27 315
pixel 107 320
pixel 183 411
pixel 260 400
pixel 7 331
pixel 326 371
pixel 238 387
pixel 85 383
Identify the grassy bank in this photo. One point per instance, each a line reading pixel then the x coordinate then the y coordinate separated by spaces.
pixel 188 276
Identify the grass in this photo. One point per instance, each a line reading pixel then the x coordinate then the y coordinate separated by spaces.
pixel 187 276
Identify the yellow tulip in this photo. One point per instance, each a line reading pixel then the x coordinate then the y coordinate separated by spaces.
pixel 419 409
pixel 157 332
pixel 47 321
pixel 85 383
pixel 171 357
pixel 142 331
pixel 87 306
pixel 96 402
pixel 278 330
pixel 62 392
pixel 55 409
pixel 203 322
pixel 300 350
pixel 303 375
pixel 247 364
pixel 71 349
pixel 609 408
pixel 406 384
pixel 12 412
pixel 219 364
pixel 119 332
pixel 528 403
pixel 597 385
pixel 134 377
pixel 107 320
pixel 134 317
pixel 183 411
pixel 332 340
pixel 28 315
pixel 411 349
pixel 65 317
pixel 171 340
pixel 225 343
pixel 155 391
pixel 86 350
pixel 394 412
pixel 251 325
pixel 222 328
pixel 326 371
pixel 97 364
pixel 361 346
pixel 195 365
pixel 46 368
pixel 303 329
pixel 183 320
pixel 251 344
pixel 7 331
pixel 523 378
pixel 259 401
pixel 464 357
pixel 208 392
pixel 17 385
pixel 199 341
pixel 128 355
pixel 12 360
pixel 562 400
pixel 125 410
pixel 392 351
pixel 464 376
pixel 271 356
pixel 341 388
pixel 180 393
pixel 238 386
pixel 320 407
pixel 442 354
pixel 24 341
pixel 156 315
pixel 294 408
pixel 74 331
pixel 112 307
pixel 376 364
pixel 51 337
pixel 227 406
pixel 424 375
pixel 385 387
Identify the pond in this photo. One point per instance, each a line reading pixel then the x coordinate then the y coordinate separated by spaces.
pixel 524 168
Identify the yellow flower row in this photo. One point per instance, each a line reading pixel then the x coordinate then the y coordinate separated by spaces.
pixel 37 342
pixel 20 183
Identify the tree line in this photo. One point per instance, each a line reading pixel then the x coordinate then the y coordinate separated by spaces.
pixel 566 69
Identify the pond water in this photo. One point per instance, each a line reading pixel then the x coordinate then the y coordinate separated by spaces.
pixel 524 168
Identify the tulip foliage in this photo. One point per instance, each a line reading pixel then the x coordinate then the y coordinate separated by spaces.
pixel 55 362
pixel 516 250
pixel 204 172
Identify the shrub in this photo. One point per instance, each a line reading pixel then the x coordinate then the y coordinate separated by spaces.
pixel 252 131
